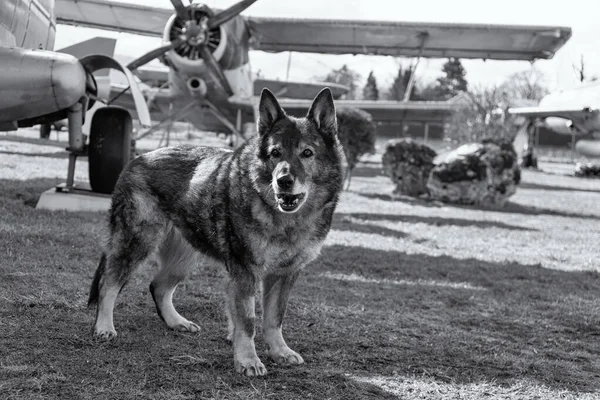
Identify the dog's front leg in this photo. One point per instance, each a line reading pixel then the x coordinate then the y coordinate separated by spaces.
pixel 241 301
pixel 276 292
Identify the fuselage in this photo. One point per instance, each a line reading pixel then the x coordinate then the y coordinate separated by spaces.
pixel 28 24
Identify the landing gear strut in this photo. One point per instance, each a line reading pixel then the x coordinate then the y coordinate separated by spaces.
pixel 529 155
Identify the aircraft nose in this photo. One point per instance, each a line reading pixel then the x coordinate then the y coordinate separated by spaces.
pixel 285 182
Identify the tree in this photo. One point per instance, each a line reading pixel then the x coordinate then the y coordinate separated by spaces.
pixel 482 117
pixel 431 92
pixel 453 82
pixel 370 91
pixel 398 88
pixel 530 85
pixel 581 72
pixel 344 76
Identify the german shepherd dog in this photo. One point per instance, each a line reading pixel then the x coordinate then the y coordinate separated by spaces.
pixel 262 211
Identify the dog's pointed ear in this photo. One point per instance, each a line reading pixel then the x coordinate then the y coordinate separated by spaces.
pixel 269 111
pixel 322 112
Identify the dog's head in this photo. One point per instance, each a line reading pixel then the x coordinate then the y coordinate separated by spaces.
pixel 299 158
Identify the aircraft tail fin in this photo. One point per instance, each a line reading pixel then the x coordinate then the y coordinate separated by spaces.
pixel 97 45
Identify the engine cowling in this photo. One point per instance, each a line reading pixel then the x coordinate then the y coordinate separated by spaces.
pixel 41 82
pixel 186 57
pixel 562 126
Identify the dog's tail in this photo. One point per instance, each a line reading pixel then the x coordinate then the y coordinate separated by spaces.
pixel 95 288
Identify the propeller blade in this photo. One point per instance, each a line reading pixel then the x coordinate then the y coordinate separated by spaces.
pixel 180 9
pixel 229 13
pixel 213 66
pixel 151 55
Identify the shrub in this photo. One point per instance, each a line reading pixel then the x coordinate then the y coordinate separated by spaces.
pixel 356 131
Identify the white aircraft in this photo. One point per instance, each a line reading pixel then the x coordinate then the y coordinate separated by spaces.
pixel 574 112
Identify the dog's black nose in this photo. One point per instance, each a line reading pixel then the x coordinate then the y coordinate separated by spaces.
pixel 285 182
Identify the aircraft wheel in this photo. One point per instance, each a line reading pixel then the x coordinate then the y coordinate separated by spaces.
pixel 45 130
pixel 110 147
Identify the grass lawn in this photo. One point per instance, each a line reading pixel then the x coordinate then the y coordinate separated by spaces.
pixel 410 299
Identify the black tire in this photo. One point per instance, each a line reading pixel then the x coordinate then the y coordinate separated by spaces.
pixel 45 130
pixel 110 147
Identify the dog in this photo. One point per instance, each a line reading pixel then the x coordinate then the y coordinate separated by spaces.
pixel 262 212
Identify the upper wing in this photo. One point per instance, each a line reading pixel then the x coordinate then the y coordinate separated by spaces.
pixel 110 15
pixel 543 112
pixel 388 112
pixel 500 42
pixel 297 90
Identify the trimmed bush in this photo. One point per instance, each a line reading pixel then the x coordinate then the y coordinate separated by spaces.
pixel 408 164
pixel 356 131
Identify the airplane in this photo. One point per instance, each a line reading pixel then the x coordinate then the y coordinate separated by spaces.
pixel 210 82
pixel 574 112
pixel 42 86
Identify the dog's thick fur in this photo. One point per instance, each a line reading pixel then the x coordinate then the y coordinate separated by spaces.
pixel 262 211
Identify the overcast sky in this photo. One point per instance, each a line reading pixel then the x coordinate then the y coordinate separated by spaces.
pixel 580 15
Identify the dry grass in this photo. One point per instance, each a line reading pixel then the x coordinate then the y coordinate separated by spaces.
pixel 410 299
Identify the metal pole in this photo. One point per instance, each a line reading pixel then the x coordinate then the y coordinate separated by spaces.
pixel 413 74
pixel 287 75
pixel 573 146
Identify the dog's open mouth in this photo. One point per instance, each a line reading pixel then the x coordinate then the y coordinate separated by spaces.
pixel 289 202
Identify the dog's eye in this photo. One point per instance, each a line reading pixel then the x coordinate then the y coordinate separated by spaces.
pixel 307 153
pixel 275 153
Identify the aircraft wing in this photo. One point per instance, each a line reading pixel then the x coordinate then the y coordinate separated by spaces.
pixel 382 111
pixel 438 40
pixel 434 40
pixel 113 16
pixel 298 90
pixel 543 112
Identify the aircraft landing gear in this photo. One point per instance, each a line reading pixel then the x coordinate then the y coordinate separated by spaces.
pixel 110 147
pixel 529 159
pixel 45 130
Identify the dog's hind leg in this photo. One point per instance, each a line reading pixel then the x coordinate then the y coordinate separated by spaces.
pixel 176 258
pixel 111 278
pixel 134 237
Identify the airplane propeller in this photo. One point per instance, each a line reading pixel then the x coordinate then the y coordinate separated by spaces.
pixel 195 38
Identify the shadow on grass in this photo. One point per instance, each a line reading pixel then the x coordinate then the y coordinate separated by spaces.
pixel 346 222
pixel 515 208
pixel 367 171
pixel 529 185
pixel 59 155
pixel 44 142
pixel 509 207
pixel 510 322
pixel 28 191
pixel 437 221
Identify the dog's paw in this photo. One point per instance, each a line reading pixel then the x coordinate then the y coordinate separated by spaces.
pixel 187 326
pixel 105 334
pixel 251 366
pixel 286 356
